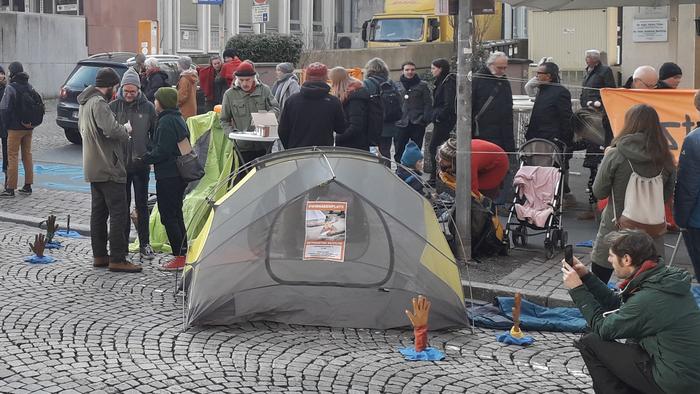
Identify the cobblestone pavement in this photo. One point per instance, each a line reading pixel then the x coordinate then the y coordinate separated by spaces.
pixel 67 327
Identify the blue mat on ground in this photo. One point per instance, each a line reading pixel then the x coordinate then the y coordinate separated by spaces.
pixel 68 234
pixel 585 244
pixel 53 245
pixel 533 317
pixel 429 354
pixel 511 340
pixel 39 260
pixel 696 293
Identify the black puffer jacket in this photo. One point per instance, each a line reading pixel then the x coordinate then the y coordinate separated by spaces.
pixel 3 130
pixel 310 117
pixel 551 115
pixel 154 82
pixel 417 104
pixel 355 109
pixel 445 99
pixel 492 118
pixel 600 77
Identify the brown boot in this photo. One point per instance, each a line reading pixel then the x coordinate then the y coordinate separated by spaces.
pixel 123 266
pixel 100 262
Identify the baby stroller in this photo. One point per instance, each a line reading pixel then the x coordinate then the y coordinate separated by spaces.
pixel 539 191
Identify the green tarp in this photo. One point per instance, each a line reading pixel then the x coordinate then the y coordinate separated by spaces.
pixel 204 130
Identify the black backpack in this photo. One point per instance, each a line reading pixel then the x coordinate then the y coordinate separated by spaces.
pixel 384 107
pixel 29 106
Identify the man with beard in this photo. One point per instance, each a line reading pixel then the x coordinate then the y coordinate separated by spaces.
pixel 104 166
pixel 417 110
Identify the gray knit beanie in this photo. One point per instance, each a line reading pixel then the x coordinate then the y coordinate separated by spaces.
pixel 131 77
pixel 286 68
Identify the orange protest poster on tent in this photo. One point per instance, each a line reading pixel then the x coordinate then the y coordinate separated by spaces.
pixel 325 230
pixel 675 108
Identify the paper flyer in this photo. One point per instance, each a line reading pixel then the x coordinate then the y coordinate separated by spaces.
pixel 325 230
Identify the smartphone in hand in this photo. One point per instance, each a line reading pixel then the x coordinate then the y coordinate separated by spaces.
pixel 569 255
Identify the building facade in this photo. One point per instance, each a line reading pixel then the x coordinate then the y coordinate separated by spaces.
pixel 191 28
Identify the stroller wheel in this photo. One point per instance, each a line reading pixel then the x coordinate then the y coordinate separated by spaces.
pixel 564 239
pixel 548 250
pixel 515 238
pixel 555 236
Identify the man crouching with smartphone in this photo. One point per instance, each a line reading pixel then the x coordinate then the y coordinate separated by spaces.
pixel 653 310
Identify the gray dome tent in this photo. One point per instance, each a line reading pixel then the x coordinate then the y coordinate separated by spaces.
pixel 321 236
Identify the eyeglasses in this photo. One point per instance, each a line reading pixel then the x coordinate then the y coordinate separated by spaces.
pixel 130 91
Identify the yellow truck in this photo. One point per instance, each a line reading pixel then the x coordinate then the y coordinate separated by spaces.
pixel 415 22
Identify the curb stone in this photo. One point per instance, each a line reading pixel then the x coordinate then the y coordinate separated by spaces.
pixel 488 291
pixel 34 221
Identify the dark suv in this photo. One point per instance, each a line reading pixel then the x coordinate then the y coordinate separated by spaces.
pixel 84 75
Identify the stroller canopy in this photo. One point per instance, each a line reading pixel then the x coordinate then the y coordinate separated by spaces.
pixel 322 237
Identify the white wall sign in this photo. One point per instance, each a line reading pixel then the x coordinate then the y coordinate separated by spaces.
pixel 650 30
pixel 66 7
pixel 261 13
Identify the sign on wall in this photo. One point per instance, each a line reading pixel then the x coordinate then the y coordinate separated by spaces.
pixel 261 13
pixel 650 30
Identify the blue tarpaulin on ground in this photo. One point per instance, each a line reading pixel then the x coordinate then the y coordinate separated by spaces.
pixel 533 317
pixel 696 293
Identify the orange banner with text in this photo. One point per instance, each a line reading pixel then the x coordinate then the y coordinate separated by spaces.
pixel 675 108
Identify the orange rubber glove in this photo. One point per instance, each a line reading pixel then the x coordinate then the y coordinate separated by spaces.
pixel 419 320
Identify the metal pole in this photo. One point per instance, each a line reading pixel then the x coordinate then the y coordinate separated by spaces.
pixel 464 126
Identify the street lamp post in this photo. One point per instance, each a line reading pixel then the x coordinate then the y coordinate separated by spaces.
pixel 464 126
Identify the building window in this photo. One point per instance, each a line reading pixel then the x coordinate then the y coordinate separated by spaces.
pixel 190 38
pixel 295 15
pixel 43 6
pixel 245 16
pixel 318 15
pixel 214 44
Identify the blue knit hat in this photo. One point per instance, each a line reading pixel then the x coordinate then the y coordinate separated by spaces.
pixel 411 155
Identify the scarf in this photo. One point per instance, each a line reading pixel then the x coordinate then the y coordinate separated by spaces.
pixel 646 266
pixel 278 83
pixel 448 179
pixel 409 83
pixel 152 71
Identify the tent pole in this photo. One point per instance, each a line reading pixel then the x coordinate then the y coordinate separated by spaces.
pixel 464 125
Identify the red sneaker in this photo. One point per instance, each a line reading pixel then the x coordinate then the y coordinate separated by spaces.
pixel 176 264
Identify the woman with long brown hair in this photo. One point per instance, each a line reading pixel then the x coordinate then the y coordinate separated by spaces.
pixel 642 148
pixel 355 99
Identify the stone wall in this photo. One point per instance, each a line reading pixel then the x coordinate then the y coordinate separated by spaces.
pixel 47 45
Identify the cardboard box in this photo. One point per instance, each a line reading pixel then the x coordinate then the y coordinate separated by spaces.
pixel 265 124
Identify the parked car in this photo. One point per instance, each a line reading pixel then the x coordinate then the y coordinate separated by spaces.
pixel 84 74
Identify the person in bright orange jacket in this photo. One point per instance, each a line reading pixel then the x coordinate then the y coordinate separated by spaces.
pixel 231 63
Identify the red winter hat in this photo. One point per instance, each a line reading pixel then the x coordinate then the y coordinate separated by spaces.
pixel 317 72
pixel 245 69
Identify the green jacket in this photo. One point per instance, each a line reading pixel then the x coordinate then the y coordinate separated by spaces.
pixel 657 310
pixel 164 151
pixel 103 139
pixel 613 175
pixel 238 106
